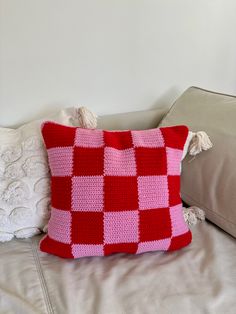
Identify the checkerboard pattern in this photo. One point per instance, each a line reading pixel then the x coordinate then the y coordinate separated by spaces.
pixel 114 191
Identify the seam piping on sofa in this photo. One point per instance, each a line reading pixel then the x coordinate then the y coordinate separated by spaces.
pixel 213 92
pixel 42 279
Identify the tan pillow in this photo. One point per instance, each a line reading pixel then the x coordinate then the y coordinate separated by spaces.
pixel 209 181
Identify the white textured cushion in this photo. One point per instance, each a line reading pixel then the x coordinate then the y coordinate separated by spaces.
pixel 24 177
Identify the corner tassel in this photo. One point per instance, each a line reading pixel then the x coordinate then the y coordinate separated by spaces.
pixel 200 141
pixel 193 214
pixel 45 228
pixel 87 118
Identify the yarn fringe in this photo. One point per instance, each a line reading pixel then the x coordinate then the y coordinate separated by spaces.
pixel 200 141
pixel 193 214
pixel 86 118
pixel 45 228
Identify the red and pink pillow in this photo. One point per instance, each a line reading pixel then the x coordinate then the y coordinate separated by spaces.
pixel 114 191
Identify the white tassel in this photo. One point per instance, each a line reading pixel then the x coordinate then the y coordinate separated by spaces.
pixel 86 118
pixel 45 228
pixel 200 141
pixel 193 214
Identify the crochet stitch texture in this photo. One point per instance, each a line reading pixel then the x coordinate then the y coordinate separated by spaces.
pixel 114 191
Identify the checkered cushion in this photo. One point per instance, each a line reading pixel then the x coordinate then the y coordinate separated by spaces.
pixel 114 191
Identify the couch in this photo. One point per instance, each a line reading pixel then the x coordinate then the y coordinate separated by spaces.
pixel 200 278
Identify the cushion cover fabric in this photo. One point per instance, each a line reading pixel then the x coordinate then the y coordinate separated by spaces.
pixel 114 191
pixel 24 177
pixel 209 180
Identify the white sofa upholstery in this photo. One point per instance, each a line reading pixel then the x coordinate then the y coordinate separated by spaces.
pixel 200 278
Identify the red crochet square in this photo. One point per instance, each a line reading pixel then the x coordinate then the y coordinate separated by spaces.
pixel 151 161
pixel 120 193
pixel 56 248
pixel 58 136
pixel 174 190
pixel 175 136
pixel 87 227
pixel 88 161
pixel 130 248
pixel 155 224
pixel 180 241
pixel 118 140
pixel 61 192
pixel 112 193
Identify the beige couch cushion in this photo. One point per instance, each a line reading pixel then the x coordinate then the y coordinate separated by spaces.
pixel 209 181
pixel 138 120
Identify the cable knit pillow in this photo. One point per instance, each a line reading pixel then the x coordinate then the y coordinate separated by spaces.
pixel 24 177
pixel 114 191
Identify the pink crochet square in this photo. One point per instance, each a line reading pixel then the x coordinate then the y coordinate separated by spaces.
pixel 62 166
pixel 148 138
pixel 89 138
pixel 80 250
pixel 119 162
pixel 59 225
pixel 87 193
pixel 160 245
pixel 174 157
pixel 153 192
pixel 178 224
pixel 121 227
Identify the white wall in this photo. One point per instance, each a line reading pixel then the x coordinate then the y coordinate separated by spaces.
pixel 111 55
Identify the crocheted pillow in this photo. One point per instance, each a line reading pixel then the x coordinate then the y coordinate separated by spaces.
pixel 114 191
